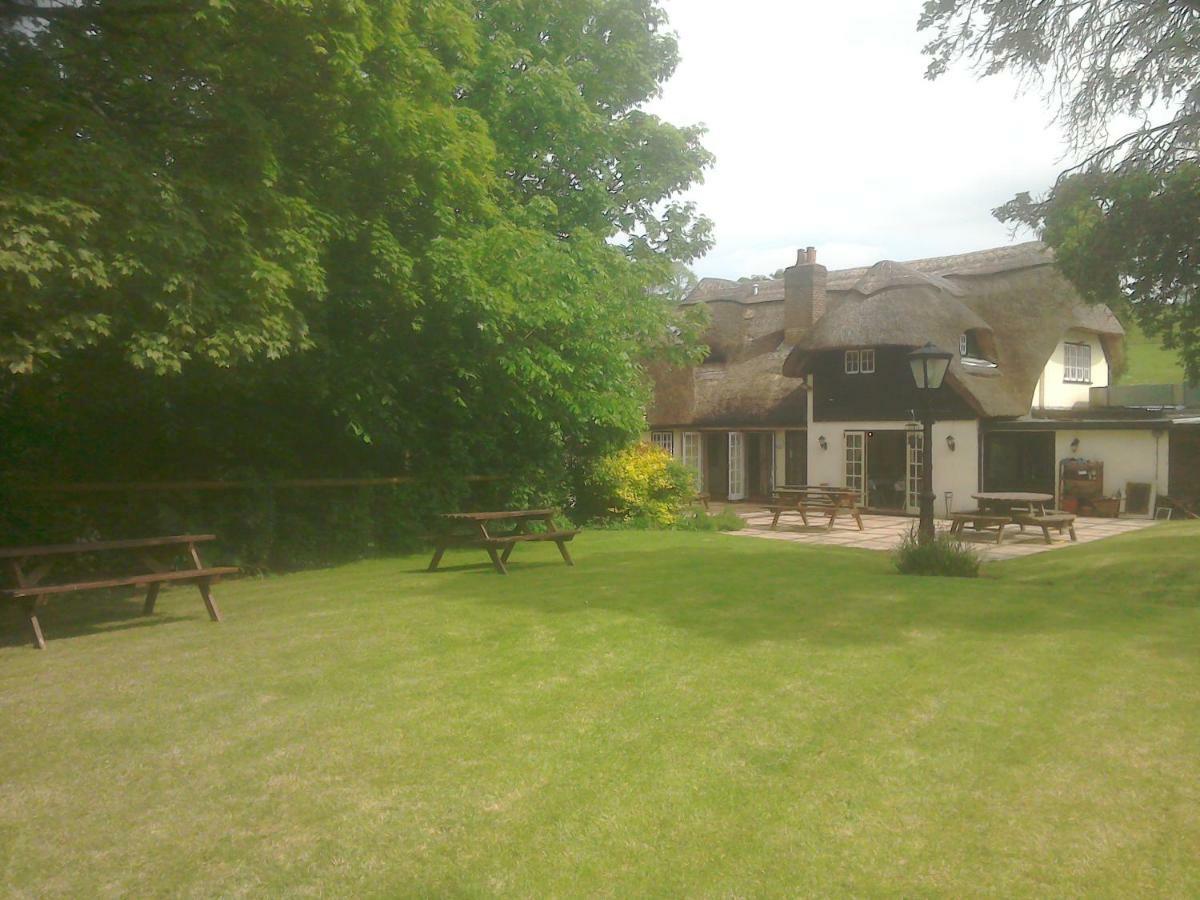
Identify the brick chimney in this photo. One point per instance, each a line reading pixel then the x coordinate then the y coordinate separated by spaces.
pixel 803 295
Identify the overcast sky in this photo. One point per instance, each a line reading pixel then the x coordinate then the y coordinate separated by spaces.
pixel 827 133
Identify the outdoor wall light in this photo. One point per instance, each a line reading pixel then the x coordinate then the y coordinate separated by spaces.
pixel 951 443
pixel 824 443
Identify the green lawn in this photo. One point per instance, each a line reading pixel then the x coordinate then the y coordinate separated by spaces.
pixel 1147 362
pixel 680 714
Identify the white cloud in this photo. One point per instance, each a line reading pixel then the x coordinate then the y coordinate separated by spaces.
pixel 826 133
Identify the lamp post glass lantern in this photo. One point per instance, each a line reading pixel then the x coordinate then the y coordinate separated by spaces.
pixel 929 365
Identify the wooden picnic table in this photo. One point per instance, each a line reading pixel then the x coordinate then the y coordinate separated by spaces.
pixel 1023 508
pixel 471 530
pixel 820 498
pixel 30 566
pixel 1004 502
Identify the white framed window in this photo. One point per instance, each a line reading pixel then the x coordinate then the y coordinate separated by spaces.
pixel 964 348
pixel 1077 363
pixel 860 362
pixel 664 440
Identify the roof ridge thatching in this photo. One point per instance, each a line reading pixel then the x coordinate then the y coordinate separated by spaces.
pixel 976 262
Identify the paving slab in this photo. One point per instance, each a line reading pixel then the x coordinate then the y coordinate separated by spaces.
pixel 883 533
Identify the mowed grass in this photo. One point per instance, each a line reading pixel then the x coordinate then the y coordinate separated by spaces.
pixel 680 714
pixel 1148 362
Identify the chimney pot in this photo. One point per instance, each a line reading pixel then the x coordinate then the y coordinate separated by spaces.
pixel 803 295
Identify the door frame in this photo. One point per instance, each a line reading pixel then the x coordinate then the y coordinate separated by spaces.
pixel 914 470
pixel 696 440
pixel 737 465
pixel 858 436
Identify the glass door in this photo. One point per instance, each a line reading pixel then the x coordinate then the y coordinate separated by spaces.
pixel 737 466
pixel 916 471
pixel 855 444
pixel 691 457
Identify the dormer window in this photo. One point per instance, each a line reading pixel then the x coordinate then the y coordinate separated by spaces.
pixel 1077 363
pixel 860 362
pixel 972 353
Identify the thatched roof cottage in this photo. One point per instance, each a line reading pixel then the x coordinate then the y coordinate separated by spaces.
pixel 806 381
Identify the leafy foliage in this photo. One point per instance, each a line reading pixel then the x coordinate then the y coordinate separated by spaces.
pixel 944 555
pixel 1096 59
pixel 1131 240
pixel 1124 223
pixel 642 483
pixel 336 237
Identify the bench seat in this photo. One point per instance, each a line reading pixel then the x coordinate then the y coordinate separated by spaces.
pixel 532 536
pixel 979 521
pixel 1063 521
pixel 132 580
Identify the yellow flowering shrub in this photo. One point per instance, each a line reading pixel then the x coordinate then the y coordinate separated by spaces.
pixel 643 482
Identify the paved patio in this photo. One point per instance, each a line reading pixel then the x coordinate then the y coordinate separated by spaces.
pixel 883 533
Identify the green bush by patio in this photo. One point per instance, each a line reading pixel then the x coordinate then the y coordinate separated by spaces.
pixel 681 714
pixel 944 555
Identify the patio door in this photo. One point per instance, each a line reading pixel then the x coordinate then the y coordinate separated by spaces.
pixel 691 457
pixel 855 452
pixel 915 471
pixel 737 465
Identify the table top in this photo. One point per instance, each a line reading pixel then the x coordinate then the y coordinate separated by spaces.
pixel 814 488
pixel 502 514
pixel 96 546
pixel 1014 496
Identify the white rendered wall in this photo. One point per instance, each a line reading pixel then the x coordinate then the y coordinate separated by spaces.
pixel 954 470
pixel 1127 456
pixel 1053 392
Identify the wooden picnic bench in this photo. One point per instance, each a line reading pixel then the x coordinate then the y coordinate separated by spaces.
pixel 471 530
pixel 1028 509
pixel 819 499
pixel 980 520
pixel 31 565
pixel 1063 521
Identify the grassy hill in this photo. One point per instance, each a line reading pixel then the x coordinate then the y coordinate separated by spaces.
pixel 1147 361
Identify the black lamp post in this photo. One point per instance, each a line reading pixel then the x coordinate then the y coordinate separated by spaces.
pixel 929 365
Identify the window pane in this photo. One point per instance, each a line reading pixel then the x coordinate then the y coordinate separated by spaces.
pixel 1077 363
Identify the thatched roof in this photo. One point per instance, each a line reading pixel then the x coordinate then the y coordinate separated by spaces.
pixel 1012 297
pixel 747 393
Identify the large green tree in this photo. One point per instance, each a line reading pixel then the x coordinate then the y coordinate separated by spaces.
pixel 1125 223
pixel 435 227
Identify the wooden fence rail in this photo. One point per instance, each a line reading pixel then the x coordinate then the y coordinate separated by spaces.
pixel 134 486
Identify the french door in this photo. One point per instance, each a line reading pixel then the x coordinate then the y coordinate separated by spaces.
pixel 737 465
pixel 855 471
pixel 692 458
pixel 915 471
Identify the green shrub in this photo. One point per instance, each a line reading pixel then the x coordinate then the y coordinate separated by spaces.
pixel 687 521
pixel 642 483
pixel 698 520
pixel 944 555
